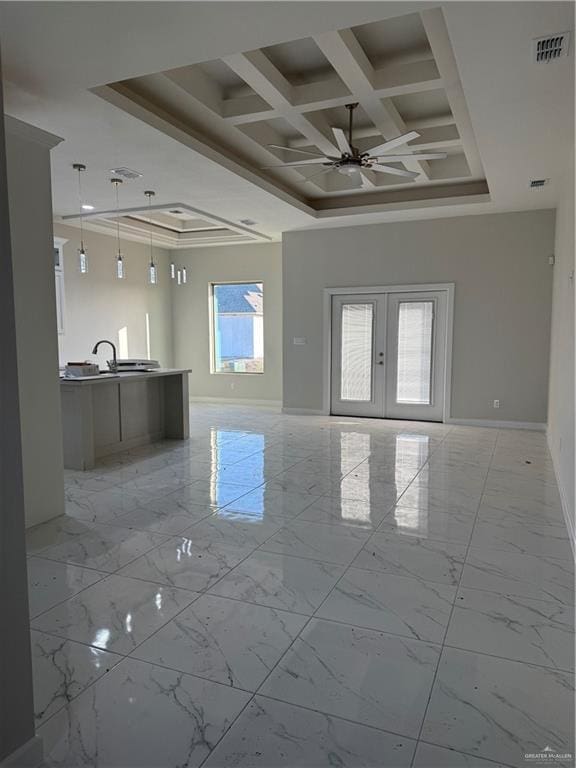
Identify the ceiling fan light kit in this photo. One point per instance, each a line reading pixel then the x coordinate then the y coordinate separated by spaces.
pixel 353 163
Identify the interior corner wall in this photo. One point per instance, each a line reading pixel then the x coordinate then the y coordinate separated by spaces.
pixel 561 424
pixel 97 305
pixel 191 319
pixel 30 199
pixel 17 698
pixel 502 304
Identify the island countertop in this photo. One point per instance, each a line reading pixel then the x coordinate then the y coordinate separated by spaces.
pixel 102 378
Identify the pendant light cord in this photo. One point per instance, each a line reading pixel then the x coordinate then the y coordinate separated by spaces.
pixel 80 209
pixel 117 218
pixel 150 226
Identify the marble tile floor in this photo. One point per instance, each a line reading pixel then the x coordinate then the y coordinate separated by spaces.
pixel 307 591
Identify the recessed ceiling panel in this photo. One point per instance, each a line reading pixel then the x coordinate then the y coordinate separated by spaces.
pixel 300 61
pixel 394 39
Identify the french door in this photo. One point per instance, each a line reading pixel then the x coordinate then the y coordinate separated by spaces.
pixel 389 355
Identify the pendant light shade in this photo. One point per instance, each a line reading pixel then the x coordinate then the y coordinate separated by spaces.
pixel 120 270
pixel 152 271
pixel 82 255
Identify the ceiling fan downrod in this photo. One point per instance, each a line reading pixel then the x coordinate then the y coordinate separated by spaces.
pixel 351 108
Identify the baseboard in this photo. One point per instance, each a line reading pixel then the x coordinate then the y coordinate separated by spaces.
pixel 237 401
pixel 29 755
pixel 304 412
pixel 535 425
pixel 568 514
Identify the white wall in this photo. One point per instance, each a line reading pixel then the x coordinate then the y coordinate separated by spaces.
pixel 98 305
pixel 499 264
pixel 249 263
pixel 28 164
pixel 561 403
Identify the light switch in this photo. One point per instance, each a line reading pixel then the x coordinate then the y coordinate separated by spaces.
pixel 299 340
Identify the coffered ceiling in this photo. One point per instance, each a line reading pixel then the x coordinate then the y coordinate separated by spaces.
pixel 401 72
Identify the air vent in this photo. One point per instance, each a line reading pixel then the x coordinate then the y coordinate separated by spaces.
pixel 248 222
pixel 538 183
pixel 176 211
pixel 126 173
pixel 551 47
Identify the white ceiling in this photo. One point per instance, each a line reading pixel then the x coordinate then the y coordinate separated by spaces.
pixel 53 53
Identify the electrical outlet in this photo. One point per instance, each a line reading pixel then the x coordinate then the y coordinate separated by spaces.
pixel 496 403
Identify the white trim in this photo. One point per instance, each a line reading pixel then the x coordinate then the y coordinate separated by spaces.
pixel 568 517
pixel 305 412
pixel 410 288
pixel 535 425
pixel 29 132
pixel 29 755
pixel 237 401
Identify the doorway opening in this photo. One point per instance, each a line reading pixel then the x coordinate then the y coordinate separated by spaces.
pixel 390 352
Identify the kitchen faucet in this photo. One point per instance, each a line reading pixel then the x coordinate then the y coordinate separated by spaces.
pixel 112 364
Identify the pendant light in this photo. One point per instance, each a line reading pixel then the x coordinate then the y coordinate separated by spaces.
pixel 82 256
pixel 120 271
pixel 172 270
pixel 152 272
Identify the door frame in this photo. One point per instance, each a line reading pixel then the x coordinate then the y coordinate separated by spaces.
pixel 328 293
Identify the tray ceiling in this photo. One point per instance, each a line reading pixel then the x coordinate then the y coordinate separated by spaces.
pixel 402 73
pixel 172 225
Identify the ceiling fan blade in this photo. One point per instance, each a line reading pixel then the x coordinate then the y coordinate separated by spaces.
pixel 298 163
pixel 415 156
pixel 394 171
pixel 342 141
pixel 294 149
pixel 397 142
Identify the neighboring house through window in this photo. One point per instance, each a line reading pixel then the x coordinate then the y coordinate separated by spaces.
pixel 237 322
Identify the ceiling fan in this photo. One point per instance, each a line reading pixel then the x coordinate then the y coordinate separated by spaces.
pixel 353 163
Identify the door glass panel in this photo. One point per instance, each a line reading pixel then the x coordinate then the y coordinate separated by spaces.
pixel 356 352
pixel 414 364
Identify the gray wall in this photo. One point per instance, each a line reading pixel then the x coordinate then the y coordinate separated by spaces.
pixel 561 404
pixel 499 264
pixel 16 703
pixel 28 163
pixel 250 263
pixel 98 305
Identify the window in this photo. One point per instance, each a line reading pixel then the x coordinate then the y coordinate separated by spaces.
pixel 237 327
pixel 414 377
pixel 356 352
pixel 59 277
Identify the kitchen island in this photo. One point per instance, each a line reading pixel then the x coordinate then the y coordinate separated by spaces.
pixel 113 412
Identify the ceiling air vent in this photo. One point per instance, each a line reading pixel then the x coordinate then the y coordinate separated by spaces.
pixel 247 222
pixel 538 183
pixel 551 47
pixel 126 173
